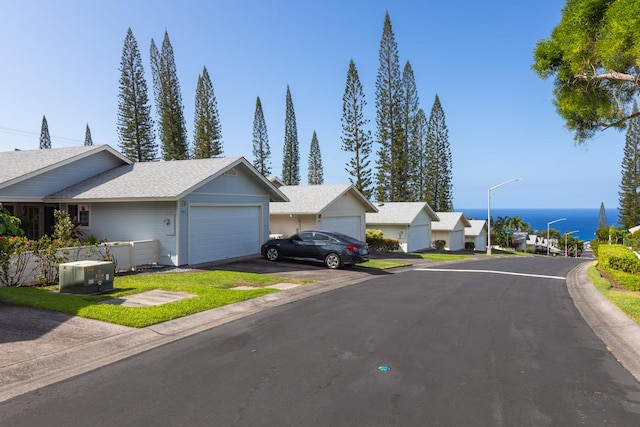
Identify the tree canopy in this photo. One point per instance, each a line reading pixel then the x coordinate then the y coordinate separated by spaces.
pixel 135 125
pixel 207 130
pixel 261 148
pixel 316 170
pixel 356 139
pixel 166 88
pixel 593 56
pixel 291 155
pixel 629 211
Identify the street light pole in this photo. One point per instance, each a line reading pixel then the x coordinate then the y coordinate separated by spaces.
pixel 565 241
pixel 489 210
pixel 548 224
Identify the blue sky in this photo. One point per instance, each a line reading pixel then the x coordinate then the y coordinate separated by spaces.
pixel 61 59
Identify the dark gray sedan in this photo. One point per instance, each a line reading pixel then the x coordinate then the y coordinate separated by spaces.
pixel 334 249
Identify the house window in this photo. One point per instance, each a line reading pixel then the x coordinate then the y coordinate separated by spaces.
pixel 31 221
pixel 9 209
pixel 79 214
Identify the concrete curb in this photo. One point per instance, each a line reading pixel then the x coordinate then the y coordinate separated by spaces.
pixel 618 332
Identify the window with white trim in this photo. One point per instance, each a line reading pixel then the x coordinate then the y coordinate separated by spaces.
pixel 80 214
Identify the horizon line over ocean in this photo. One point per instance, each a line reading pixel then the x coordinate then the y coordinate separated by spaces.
pixel 584 220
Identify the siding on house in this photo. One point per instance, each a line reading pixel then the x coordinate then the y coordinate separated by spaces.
pixel 135 221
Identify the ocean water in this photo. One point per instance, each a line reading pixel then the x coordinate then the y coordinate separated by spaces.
pixel 583 220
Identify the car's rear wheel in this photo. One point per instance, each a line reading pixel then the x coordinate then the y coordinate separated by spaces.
pixel 273 254
pixel 332 261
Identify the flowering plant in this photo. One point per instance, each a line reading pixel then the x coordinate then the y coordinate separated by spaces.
pixel 15 252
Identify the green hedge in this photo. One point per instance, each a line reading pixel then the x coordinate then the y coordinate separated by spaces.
pixel 377 241
pixel 621 263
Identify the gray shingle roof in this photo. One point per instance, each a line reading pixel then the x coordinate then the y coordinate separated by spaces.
pixel 313 199
pixel 21 164
pixel 448 221
pixel 150 180
pixel 399 213
pixel 478 227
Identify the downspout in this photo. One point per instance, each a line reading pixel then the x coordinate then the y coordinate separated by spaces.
pixel 299 225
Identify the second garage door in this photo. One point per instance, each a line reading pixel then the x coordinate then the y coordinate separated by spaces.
pixel 349 225
pixel 221 232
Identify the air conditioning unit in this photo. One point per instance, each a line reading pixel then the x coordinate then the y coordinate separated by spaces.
pixel 86 277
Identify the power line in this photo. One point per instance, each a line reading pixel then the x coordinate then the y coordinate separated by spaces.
pixel 26 133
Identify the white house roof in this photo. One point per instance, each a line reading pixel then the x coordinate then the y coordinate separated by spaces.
pixel 276 181
pixel 399 213
pixel 314 199
pixel 478 227
pixel 19 165
pixel 449 220
pixel 634 229
pixel 168 180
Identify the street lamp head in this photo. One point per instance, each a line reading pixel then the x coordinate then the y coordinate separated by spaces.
pixel 556 220
pixel 489 210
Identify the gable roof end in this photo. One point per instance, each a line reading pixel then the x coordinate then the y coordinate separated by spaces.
pixel 21 165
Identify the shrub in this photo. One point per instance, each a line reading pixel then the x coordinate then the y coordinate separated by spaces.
pixel 15 253
pixel 470 246
pixel 621 263
pixel 377 241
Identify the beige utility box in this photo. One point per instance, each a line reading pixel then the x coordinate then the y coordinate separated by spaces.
pixel 86 277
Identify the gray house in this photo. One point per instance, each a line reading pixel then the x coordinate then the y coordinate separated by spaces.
pixel 477 234
pixel 407 222
pixel 451 229
pixel 331 207
pixel 198 210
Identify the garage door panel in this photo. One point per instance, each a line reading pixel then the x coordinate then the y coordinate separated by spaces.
pixel 220 232
pixel 418 237
pixel 349 225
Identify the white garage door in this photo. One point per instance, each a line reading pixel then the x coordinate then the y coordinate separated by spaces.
pixel 349 225
pixel 221 232
pixel 457 240
pixel 418 238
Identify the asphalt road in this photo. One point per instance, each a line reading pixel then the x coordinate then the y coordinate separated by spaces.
pixel 458 345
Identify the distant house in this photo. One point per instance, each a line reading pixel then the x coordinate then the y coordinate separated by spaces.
pixel 451 229
pixel 198 210
pixel 333 207
pixel 519 241
pixel 407 222
pixel 477 234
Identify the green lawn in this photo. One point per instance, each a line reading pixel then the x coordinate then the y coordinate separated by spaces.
pixel 627 301
pixel 384 264
pixel 212 289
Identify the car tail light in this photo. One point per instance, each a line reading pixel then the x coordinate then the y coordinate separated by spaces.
pixel 353 248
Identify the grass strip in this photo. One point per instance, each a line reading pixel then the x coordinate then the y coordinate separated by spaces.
pixel 212 289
